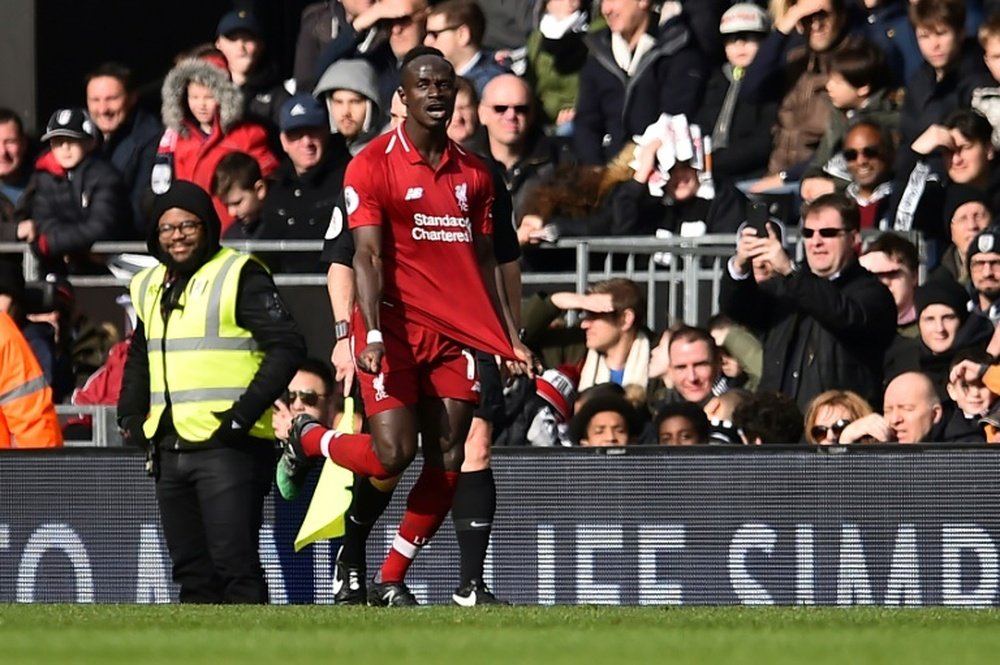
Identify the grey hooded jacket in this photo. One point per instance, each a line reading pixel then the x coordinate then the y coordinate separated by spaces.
pixel 360 77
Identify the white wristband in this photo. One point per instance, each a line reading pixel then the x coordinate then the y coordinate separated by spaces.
pixel 374 337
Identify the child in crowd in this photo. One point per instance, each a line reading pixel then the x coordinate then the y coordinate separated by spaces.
pixel 80 198
pixel 858 92
pixel 238 183
pixel 972 401
pixel 203 114
pixel 681 424
pixel 986 95
pixel 740 143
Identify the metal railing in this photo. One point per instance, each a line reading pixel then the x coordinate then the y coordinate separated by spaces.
pixel 103 424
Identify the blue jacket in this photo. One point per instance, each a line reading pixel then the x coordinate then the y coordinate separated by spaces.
pixel 132 151
pixel 612 107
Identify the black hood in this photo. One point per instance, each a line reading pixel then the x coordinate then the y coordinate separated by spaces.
pixel 186 196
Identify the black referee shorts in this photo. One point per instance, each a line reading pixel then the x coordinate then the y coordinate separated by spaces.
pixel 491 406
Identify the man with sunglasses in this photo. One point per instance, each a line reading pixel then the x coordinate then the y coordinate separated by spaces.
pixel 825 324
pixel 213 348
pixel 868 153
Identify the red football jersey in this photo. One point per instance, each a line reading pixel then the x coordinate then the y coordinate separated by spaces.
pixel 428 219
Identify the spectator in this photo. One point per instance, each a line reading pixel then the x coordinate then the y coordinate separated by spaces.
pixel 894 260
pixel 967 213
pixel 240 38
pixel 972 401
pixel 240 186
pixel 911 413
pixel 984 273
pixel 303 191
pixel 986 94
pixel 965 139
pixel 80 198
pixel 681 424
pixel 741 354
pixel 830 412
pixel 605 420
pixel 203 113
pixel 824 325
pixel 795 77
pixel 740 146
pixel 943 83
pixel 538 411
pixel 321 22
pixel 27 415
pixel 694 366
pixel 514 140
pixel 858 92
pixel 769 417
pixel 635 71
pixel 946 327
pixel 556 53
pixel 465 118
pixel 456 28
pixel 130 134
pixel 868 155
pixel 14 175
pixel 350 91
pixel 887 24
pixel 508 23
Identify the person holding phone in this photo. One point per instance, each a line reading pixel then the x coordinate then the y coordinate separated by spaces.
pixel 825 324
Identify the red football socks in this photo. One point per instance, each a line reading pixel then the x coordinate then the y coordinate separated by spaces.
pixel 426 507
pixel 352 451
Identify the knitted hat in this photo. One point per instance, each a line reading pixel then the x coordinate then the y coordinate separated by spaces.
pixel 557 389
pixel 986 241
pixel 957 195
pixel 945 292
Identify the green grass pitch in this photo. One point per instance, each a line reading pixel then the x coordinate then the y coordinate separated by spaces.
pixel 321 635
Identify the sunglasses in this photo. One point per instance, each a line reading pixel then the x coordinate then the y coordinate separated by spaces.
pixel 823 233
pixel 308 397
pixel 819 431
pixel 817 17
pixel 869 151
pixel 519 109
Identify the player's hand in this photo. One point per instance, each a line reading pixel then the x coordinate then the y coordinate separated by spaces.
pixel 370 358
pixel 526 362
pixel 281 420
pixel 343 364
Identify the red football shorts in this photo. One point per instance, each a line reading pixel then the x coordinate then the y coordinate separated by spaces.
pixel 418 362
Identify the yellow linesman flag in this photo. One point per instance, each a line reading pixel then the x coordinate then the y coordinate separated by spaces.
pixel 325 517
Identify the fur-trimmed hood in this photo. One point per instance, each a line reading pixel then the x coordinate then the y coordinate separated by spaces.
pixel 175 110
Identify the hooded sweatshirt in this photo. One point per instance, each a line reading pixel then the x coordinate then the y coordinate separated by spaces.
pixel 185 151
pixel 360 77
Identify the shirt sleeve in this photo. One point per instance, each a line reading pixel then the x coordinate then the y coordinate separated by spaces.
pixel 361 195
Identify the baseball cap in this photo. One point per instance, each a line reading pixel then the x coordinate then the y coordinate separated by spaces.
pixel 743 17
pixel 72 123
pixel 302 111
pixel 236 21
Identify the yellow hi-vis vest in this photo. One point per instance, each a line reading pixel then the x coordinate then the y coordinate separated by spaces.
pixel 200 357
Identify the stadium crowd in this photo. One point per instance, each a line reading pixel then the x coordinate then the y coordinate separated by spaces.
pixel 613 118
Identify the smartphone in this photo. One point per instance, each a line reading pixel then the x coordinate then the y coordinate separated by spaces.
pixel 757 214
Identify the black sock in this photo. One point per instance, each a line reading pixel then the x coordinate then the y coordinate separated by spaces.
pixel 367 506
pixel 473 511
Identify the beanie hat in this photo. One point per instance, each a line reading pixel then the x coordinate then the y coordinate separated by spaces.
pixel 986 241
pixel 186 196
pixel 957 195
pixel 557 389
pixel 945 292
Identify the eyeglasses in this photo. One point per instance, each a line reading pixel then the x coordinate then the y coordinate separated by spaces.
pixel 823 233
pixel 308 397
pixel 980 264
pixel 434 34
pixel 186 228
pixel 819 431
pixel 869 151
pixel 519 109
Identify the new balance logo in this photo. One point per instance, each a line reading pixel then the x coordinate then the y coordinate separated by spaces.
pixel 414 193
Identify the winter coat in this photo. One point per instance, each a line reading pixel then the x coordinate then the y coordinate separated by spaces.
pixel 554 70
pixel 818 334
pixel 132 150
pixel 75 209
pixel 614 106
pixel 187 153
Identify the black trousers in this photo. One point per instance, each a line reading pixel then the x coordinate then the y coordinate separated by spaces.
pixel 211 503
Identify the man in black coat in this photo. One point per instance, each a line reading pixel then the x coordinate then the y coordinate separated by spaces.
pixel 825 324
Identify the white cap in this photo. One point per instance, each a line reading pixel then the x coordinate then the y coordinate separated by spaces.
pixel 744 17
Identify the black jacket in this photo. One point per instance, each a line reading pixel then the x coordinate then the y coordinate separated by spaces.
pixel 959 429
pixel 132 151
pixel 670 79
pixel 74 210
pixel 818 334
pixel 299 207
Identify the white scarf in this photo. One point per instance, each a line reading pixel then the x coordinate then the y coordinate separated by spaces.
pixel 596 370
